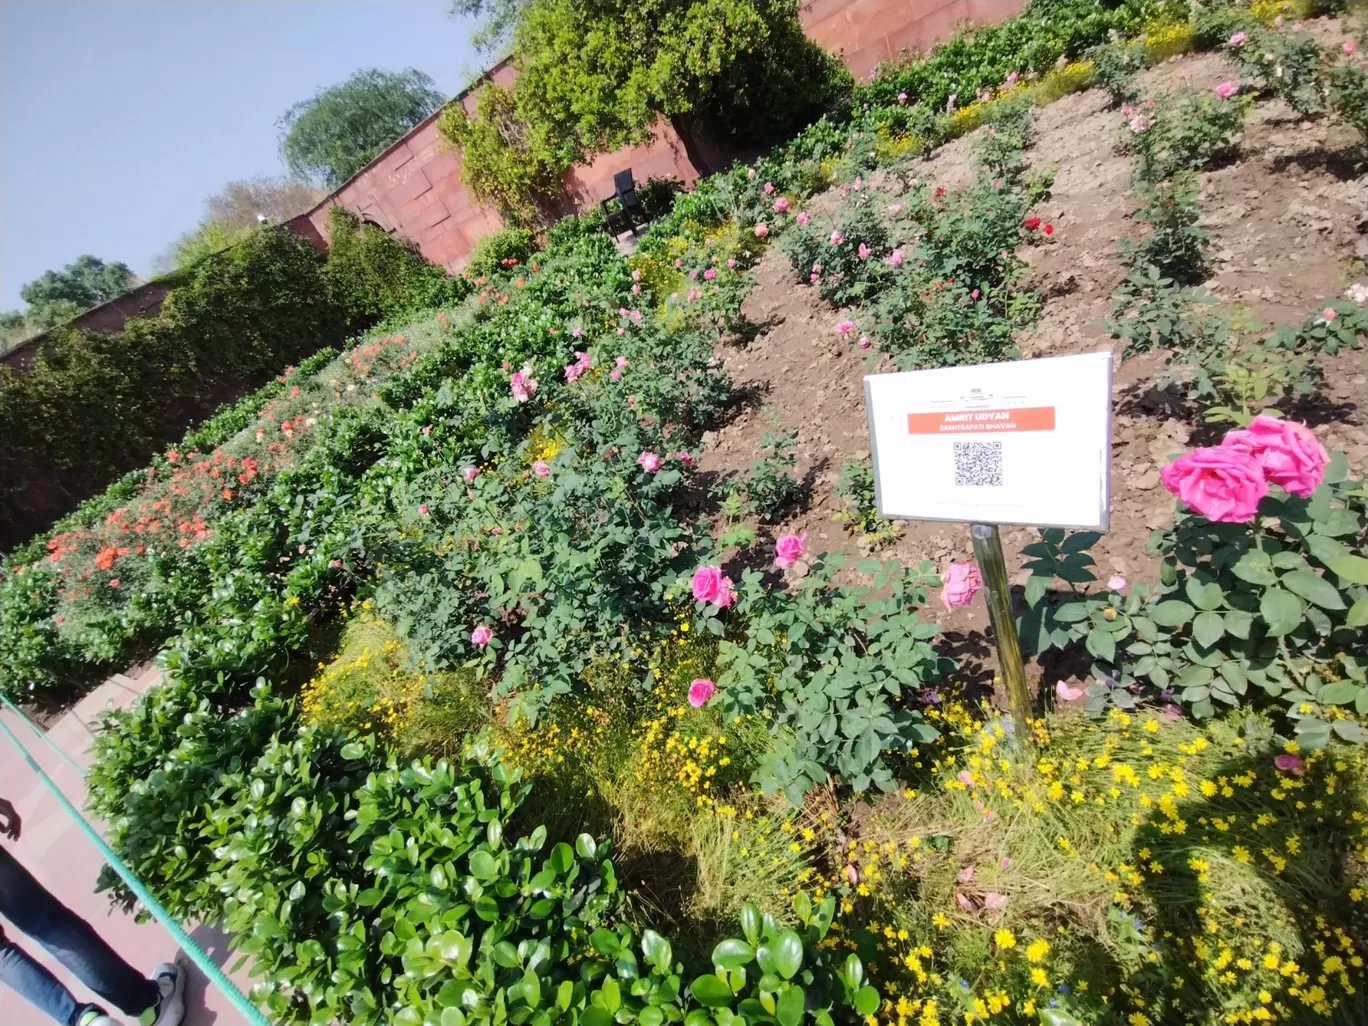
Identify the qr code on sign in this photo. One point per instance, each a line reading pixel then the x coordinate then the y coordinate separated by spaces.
pixel 978 463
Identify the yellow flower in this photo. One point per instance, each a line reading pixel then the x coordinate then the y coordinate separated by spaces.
pixel 940 920
pixel 1039 978
pixel 1037 950
pixel 1005 939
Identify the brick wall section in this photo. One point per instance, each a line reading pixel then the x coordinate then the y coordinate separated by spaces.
pixel 867 32
pixel 107 317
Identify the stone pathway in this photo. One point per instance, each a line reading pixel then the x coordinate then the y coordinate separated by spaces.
pixel 53 848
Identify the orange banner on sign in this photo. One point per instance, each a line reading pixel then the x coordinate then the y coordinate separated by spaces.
pixel 1030 418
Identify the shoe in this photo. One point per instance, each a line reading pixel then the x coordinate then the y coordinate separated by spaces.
pixel 94 1015
pixel 170 1009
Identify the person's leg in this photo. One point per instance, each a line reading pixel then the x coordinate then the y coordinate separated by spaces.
pixel 34 983
pixel 73 941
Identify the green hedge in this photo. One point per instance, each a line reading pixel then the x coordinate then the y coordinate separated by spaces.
pixel 94 406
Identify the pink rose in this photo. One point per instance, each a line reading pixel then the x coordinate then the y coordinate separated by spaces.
pixel 902 97
pixel 481 635
pixel 895 258
pixel 575 331
pixel 802 217
pixel 962 583
pixel 1238 38
pixel 700 691
pixel 1225 90
pixel 541 468
pixel 864 342
pixel 1224 483
pixel 837 238
pixel 636 275
pixel 1348 46
pixel 725 595
pixel 1067 693
pixel 1011 78
pixel 470 474
pixel 845 327
pixel 760 230
pixel 621 361
pixel 964 902
pixel 709 274
pixel 1328 314
pixel 1291 456
pixel 422 509
pixel 731 261
pixel 781 205
pixel 649 462
pixel 615 374
pixel 967 779
pixel 1289 763
pixel 789 548
pixel 1116 582
pixel 995 901
pixel 707 584
pixel 686 458
pixel 864 251
pixel 769 188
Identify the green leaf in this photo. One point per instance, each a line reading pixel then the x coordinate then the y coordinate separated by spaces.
pixel 1313 588
pixel 1203 596
pixel 1353 569
pixel 1341 692
pixel 1102 644
pixel 789 1008
pixel 593 1015
pixel 562 857
pixel 482 866
pixel 352 750
pixel 586 846
pixel 651 1016
pixel 605 942
pixel 732 953
pixel 788 954
pixel 866 1001
pixel 1172 613
pixel 657 950
pixel 1208 628
pixel 750 923
pixel 1281 611
pixel 612 995
pixel 1349 730
pixel 711 991
pixel 1255 567
pixel 1358 614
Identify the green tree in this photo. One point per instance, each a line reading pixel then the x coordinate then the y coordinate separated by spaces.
pixel 235 212
pixel 341 129
pixel 598 74
pixel 497 20
pixel 87 281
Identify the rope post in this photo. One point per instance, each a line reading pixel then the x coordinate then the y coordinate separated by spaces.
pixel 996 589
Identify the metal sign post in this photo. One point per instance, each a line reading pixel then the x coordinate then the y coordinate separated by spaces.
pixel 996 591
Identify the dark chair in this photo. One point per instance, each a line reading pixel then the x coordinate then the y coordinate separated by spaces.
pixel 628 211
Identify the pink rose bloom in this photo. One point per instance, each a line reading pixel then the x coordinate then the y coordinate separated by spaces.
pixel 864 251
pixel 769 188
pixel 1067 693
pixel 636 290
pixel 789 548
pixel 895 258
pixel 1011 78
pixel 760 230
pixel 1348 46
pixel 1289 763
pixel 845 327
pixel 481 635
pixel 962 583
pixel 583 360
pixel 1238 38
pixel 422 509
pixel 622 311
pixel 693 294
pixel 814 278
pixel 1328 314
pixel 470 474
pixel 802 217
pixel 621 361
pixel 902 97
pixel 635 315
pixel 837 238
pixel 686 458
pixel 1116 582
pixel 615 374
pixel 1291 456
pixel 731 261
pixel 649 462
pixel 636 275
pixel 781 205
pixel 858 184
pixel 995 901
pixel 496 530
pixel 694 274
pixel 541 468
pixel 964 902
pixel 700 691
pixel 707 583
pixel 894 209
pixel 967 779
pixel 1225 90
pixel 1223 483
pixel 864 342
pixel 709 274
pixel 575 331
pixel 572 371
pixel 750 172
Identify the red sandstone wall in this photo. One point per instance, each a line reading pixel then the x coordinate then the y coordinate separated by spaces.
pixel 108 317
pixel 867 32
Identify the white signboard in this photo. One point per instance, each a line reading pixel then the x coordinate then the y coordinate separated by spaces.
pixel 1026 442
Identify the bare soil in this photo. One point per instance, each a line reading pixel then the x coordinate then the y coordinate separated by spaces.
pixel 1285 219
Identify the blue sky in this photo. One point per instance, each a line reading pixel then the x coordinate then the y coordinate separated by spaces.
pixel 118 119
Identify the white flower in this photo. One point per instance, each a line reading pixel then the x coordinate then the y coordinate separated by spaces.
pixel 1357 292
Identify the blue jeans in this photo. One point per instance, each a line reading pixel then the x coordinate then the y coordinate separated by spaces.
pixel 73 941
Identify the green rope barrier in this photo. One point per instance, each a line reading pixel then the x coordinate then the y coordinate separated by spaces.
pixel 40 732
pixel 246 1009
